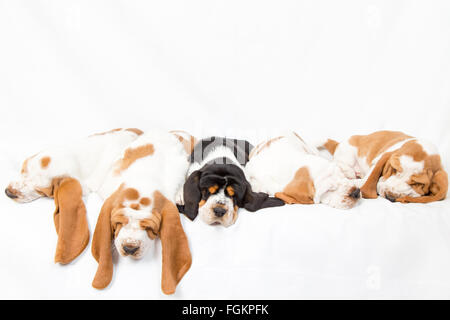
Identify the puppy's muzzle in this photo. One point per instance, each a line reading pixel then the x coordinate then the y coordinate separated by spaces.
pixel 11 194
pixel 390 197
pixel 219 212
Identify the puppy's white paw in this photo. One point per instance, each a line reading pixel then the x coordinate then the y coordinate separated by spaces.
pixel 348 171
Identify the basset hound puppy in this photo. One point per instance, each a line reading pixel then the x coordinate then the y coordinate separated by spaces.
pixel 217 186
pixel 66 173
pixel 288 168
pixel 139 206
pixel 392 164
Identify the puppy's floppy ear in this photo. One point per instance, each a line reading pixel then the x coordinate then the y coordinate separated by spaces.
pixel 70 220
pixel 192 195
pixel 254 201
pixel 369 189
pixel 101 245
pixel 176 256
pixel 438 189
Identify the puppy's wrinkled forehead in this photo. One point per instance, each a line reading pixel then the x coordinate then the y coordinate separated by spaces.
pixel 222 176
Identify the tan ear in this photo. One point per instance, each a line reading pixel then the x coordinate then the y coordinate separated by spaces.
pixel 101 246
pixel 70 220
pixel 176 256
pixel 369 189
pixel 438 190
pixel 299 190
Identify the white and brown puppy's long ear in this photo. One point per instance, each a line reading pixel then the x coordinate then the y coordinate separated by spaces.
pixel 70 220
pixel 438 187
pixel 254 201
pixel 369 189
pixel 192 195
pixel 176 256
pixel 101 245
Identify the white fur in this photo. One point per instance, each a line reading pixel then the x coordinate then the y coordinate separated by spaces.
pixel 87 160
pixel 163 171
pixel 275 166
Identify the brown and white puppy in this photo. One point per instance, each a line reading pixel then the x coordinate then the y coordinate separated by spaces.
pixel 217 186
pixel 66 173
pixel 139 206
pixel 293 171
pixel 393 165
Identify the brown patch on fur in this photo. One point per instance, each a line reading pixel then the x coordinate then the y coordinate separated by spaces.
pixel 213 189
pixel 131 194
pixel 188 145
pixel 133 154
pixel 331 146
pixel 230 191
pixel 265 144
pixel 372 145
pixel 300 190
pixel 135 206
pixel 24 169
pixel 45 162
pixel 201 203
pixel 106 132
pixel 145 201
pixel 135 130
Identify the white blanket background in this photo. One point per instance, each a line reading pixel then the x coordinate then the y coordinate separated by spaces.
pixel 244 69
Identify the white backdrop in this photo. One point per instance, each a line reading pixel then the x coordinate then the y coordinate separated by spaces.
pixel 243 69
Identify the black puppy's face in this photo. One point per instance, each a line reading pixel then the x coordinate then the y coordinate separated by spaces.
pixel 216 191
pixel 218 203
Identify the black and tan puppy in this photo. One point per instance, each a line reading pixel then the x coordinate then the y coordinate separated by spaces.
pixel 216 186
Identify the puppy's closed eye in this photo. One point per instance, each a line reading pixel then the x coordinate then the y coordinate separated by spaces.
pixel 151 226
pixel 118 219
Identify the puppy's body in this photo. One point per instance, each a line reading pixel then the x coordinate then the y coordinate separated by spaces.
pixel 139 195
pixel 87 160
pixel 65 173
pixel 290 169
pixel 392 164
pixel 217 186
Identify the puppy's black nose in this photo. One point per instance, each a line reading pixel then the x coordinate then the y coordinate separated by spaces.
pixel 10 194
pixel 130 250
pixel 389 197
pixel 355 193
pixel 219 211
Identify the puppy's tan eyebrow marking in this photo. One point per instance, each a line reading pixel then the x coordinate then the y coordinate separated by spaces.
pixel 201 203
pixel 45 162
pixel 230 190
pixel 213 189
pixel 133 154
